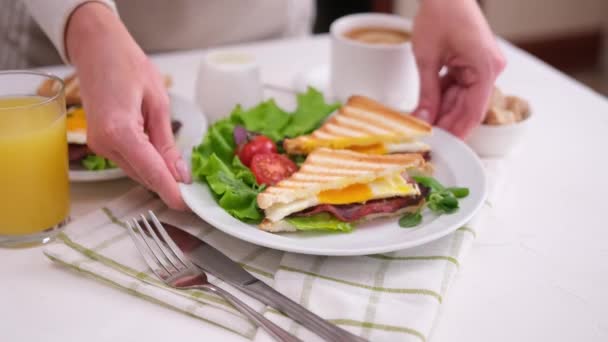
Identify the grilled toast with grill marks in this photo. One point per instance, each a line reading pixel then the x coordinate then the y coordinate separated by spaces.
pixel 341 177
pixel 367 126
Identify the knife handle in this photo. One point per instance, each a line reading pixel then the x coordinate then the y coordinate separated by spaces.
pixel 297 312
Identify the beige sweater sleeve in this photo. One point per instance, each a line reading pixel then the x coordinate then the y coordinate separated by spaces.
pixel 53 16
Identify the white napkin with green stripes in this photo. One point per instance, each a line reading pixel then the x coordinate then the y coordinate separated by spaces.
pixel 388 297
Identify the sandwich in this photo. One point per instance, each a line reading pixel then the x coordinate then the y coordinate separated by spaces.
pixel 366 126
pixel 348 186
pixel 80 155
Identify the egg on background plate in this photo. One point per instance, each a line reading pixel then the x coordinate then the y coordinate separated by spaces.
pixel 76 126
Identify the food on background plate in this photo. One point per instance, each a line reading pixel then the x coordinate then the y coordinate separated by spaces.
pixel 364 125
pixel 241 160
pixel 80 155
pixel 343 187
pixel 72 88
pixel 505 110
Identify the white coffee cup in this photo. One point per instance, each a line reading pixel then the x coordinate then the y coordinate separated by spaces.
pixel 384 72
pixel 226 79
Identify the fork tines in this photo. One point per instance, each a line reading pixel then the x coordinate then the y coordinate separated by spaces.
pixel 160 253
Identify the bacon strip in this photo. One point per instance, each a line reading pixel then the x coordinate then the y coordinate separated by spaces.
pixel 356 211
pixel 78 152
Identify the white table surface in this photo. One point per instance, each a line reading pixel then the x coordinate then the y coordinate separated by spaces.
pixel 538 272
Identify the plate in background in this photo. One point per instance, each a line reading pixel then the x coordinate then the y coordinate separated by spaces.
pixel 194 124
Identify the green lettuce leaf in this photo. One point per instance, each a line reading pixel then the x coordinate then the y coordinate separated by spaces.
pixel 97 163
pixel 243 173
pixel 269 119
pixel 323 221
pixel 233 185
pixel 218 141
pixel 310 113
pixel 266 118
pixel 231 191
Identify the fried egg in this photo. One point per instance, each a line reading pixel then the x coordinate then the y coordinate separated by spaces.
pixel 76 126
pixel 385 187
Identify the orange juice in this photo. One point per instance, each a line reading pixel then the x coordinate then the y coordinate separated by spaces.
pixel 34 186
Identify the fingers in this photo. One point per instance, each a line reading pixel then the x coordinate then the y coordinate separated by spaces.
pixel 468 108
pixel 102 146
pixel 158 126
pixel 452 109
pixel 449 94
pixel 125 166
pixel 128 146
pixel 145 160
pixel 430 90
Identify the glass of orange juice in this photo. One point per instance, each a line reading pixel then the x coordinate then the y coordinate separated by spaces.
pixel 34 185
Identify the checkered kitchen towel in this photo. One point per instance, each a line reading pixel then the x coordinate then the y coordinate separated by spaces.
pixel 386 297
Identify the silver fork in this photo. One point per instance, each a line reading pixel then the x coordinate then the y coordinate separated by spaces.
pixel 169 264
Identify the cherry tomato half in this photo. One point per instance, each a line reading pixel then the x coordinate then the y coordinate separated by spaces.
pixel 271 168
pixel 259 144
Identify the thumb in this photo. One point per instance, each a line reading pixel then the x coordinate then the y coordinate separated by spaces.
pixel 430 90
pixel 158 124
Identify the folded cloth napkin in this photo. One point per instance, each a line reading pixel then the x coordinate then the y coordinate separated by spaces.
pixel 386 297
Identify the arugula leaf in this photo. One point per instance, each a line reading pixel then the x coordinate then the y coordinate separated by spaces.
pixel 410 220
pixel 322 221
pixel 440 200
pixel 449 202
pixel 429 182
pixel 311 111
pixel 459 192
pixel 299 159
pixel 97 163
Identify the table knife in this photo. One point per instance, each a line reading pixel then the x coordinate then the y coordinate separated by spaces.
pixel 215 262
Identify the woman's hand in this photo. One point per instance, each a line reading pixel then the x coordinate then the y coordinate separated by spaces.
pixel 455 35
pixel 126 102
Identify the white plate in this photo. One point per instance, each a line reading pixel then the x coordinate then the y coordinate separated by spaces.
pixel 455 165
pixel 194 124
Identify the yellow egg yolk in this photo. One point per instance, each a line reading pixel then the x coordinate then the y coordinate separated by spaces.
pixel 384 187
pixel 347 142
pixel 354 193
pixel 76 120
pixel 369 149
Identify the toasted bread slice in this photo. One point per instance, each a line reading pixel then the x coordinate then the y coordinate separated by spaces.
pixel 362 122
pixel 50 88
pixel 327 169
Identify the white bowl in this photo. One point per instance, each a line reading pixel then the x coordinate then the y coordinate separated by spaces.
pixel 498 140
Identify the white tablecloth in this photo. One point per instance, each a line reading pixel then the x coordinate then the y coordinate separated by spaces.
pixel 538 272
